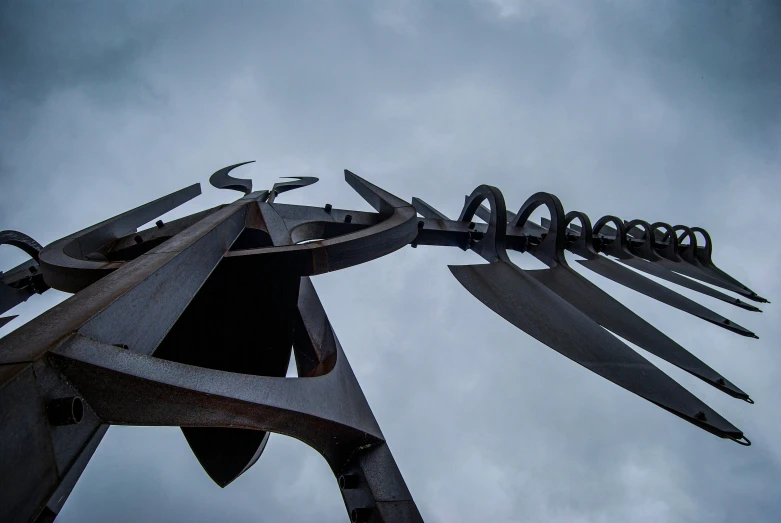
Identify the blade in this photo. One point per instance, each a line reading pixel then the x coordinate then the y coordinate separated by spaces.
pixel 531 307
pixel 698 272
pixel 629 278
pixel 615 317
pixel 426 210
pixel 280 187
pixel 11 297
pixel 221 179
pixel 718 273
pixel 673 277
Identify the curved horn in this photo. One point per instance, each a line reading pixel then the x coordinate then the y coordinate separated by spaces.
pixel 492 246
pixel 222 180
pixel 21 241
pixel 555 241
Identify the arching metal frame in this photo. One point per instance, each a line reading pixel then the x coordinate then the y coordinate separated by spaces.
pixel 149 336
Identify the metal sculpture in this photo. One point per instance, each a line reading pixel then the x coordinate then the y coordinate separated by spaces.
pixel 149 336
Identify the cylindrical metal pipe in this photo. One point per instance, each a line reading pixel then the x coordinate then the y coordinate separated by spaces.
pixel 359 515
pixel 349 481
pixel 65 411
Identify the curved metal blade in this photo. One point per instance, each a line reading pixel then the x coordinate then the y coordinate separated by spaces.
pixel 426 210
pixel 615 317
pixel 696 271
pixel 673 277
pixel 629 278
pixel 222 180
pixel 530 306
pixel 610 269
pixel 713 270
pixel 300 181
pixel 21 241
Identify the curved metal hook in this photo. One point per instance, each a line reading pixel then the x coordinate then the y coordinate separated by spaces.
pixel 618 247
pixel 493 245
pixel 74 262
pixel 670 249
pixel 278 188
pixel 704 252
pixel 584 244
pixel 646 250
pixel 21 241
pixel 555 241
pixel 688 253
pixel 222 180
pixel 301 181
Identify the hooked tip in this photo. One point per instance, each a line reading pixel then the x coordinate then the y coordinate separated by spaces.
pixel 742 440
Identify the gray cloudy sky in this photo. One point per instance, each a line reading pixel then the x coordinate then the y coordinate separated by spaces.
pixel 658 110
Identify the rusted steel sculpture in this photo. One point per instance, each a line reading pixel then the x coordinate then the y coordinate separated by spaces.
pixel 150 335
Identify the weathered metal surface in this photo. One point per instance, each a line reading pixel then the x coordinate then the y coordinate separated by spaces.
pixel 280 187
pixel 524 298
pixel 24 280
pixel 76 261
pixel 223 180
pixel 191 323
pixel 21 241
pixel 615 242
pixel 582 244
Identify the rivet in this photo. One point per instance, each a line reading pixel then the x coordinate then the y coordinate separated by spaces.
pixel 701 416
pixel 138 239
pixel 348 218
pixel 328 207
pixel 159 224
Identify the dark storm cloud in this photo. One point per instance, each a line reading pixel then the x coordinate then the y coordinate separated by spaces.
pixel 51 46
pixel 657 110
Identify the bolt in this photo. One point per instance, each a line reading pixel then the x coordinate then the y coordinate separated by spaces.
pixel 701 416
pixel 721 381
pixel 65 411
pixel 159 224
pixel 471 225
pixel 359 515
pixel 33 270
pixel 138 239
pixel 348 218
pixel 328 207
pixel 349 481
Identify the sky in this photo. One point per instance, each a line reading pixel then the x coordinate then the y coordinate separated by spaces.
pixel 660 110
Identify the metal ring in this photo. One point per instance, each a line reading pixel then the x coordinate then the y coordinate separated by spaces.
pixel 743 440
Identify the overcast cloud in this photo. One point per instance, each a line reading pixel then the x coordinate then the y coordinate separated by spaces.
pixel 658 110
